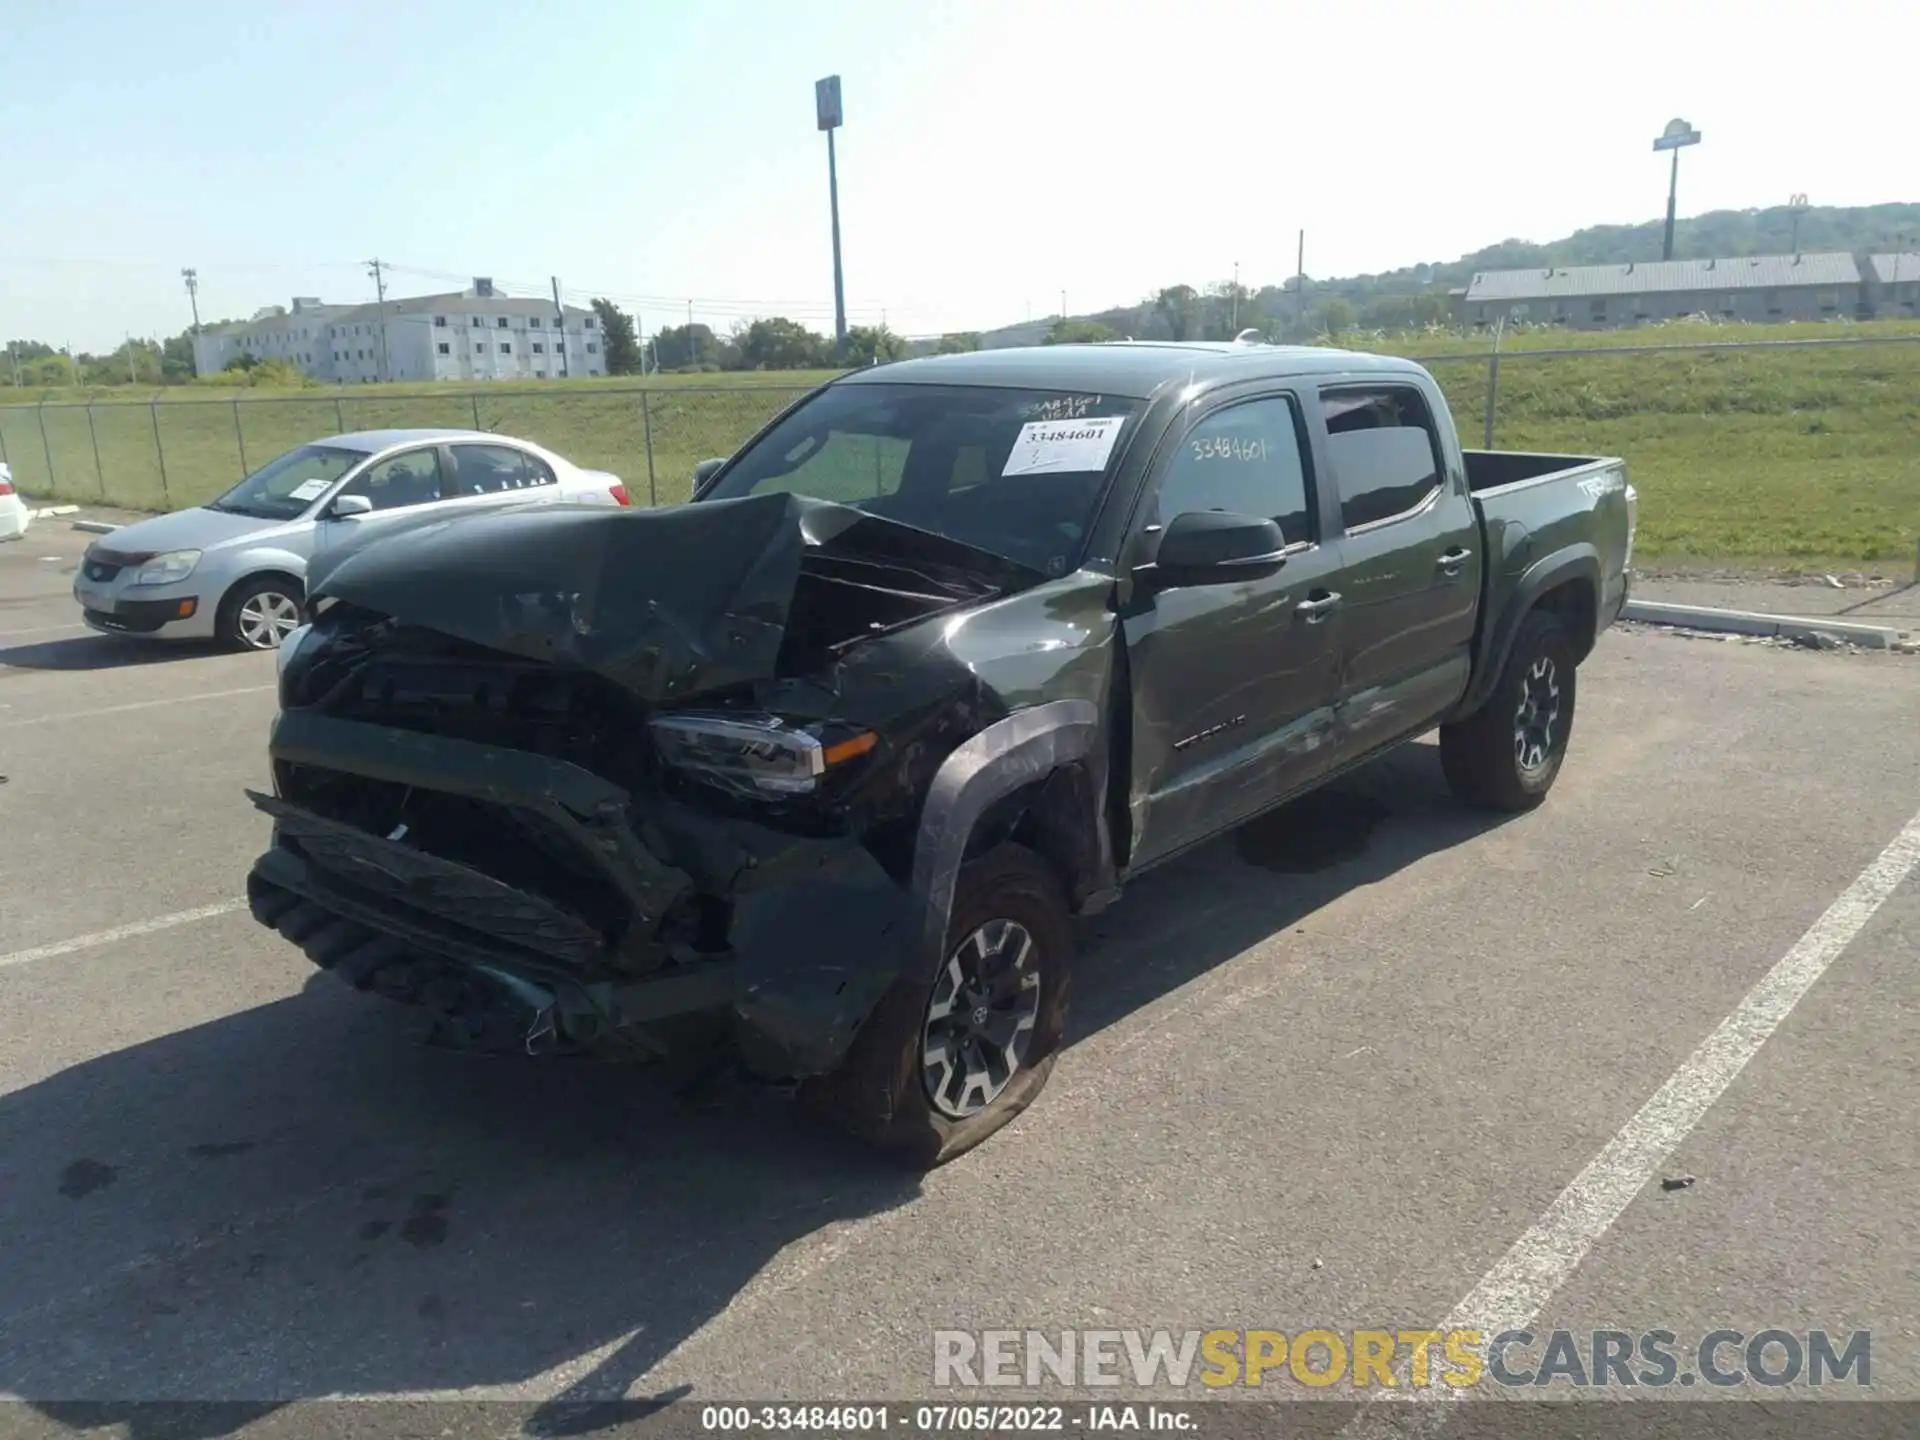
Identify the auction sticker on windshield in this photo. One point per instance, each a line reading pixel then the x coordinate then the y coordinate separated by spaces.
pixel 1045 446
pixel 308 489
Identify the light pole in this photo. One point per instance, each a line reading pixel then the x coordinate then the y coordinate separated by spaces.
pixel 828 117
pixel 1676 137
pixel 1796 207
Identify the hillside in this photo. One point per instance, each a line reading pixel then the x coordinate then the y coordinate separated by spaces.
pixel 1416 294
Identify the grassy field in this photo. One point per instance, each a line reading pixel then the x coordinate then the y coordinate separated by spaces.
pixel 1763 459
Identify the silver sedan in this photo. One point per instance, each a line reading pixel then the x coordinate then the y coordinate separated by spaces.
pixel 235 568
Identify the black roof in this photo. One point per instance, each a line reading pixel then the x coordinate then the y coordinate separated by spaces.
pixel 1133 368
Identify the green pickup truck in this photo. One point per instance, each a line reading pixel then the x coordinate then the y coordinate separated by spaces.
pixel 814 771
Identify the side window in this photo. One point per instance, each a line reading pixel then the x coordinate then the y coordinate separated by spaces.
pixel 490 469
pixel 1245 460
pixel 538 472
pixel 409 478
pixel 1381 450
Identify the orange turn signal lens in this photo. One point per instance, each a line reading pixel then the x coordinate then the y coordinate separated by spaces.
pixel 187 607
pixel 849 749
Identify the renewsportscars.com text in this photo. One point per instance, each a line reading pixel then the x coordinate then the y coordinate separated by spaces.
pixel 1408 1358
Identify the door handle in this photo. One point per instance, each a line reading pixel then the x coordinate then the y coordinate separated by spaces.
pixel 1318 608
pixel 1454 560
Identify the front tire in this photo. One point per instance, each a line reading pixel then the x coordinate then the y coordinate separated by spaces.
pixel 1507 754
pixel 259 614
pixel 945 1060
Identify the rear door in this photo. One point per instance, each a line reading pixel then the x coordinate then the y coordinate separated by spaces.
pixel 484 477
pixel 1410 543
pixel 1233 684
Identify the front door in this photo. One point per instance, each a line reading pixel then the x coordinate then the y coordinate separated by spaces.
pixel 1233 684
pixel 394 486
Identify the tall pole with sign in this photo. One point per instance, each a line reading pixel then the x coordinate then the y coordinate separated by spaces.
pixel 1676 137
pixel 827 114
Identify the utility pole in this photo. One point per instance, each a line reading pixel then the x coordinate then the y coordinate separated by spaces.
pixel 133 373
pixel 192 277
pixel 374 268
pixel 1300 281
pixel 1063 304
pixel 1796 206
pixel 560 319
pixel 1236 298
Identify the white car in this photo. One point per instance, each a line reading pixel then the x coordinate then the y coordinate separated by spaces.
pixel 14 515
pixel 235 568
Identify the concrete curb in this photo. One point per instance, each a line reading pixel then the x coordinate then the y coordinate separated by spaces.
pixel 47 512
pixel 1748 622
pixel 95 527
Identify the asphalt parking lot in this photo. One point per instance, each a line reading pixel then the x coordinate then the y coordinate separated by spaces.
pixel 1333 1073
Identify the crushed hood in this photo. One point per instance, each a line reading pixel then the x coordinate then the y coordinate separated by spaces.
pixel 666 603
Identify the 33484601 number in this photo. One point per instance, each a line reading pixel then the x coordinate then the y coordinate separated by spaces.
pixel 835 1419
pixel 1228 447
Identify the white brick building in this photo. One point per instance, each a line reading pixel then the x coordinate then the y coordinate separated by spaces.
pixel 477 334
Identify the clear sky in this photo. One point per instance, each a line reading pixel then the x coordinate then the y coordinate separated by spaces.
pixel 995 153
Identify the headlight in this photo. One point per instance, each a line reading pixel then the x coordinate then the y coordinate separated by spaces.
pixel 290 647
pixel 168 568
pixel 755 755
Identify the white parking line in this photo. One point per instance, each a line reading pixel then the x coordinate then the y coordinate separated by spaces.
pixel 134 705
pixel 120 932
pixel 1545 1257
pixel 43 629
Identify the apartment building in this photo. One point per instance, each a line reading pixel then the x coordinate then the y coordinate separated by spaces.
pixel 475 334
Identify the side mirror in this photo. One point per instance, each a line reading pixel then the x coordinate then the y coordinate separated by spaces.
pixel 705 470
pixel 345 507
pixel 1209 547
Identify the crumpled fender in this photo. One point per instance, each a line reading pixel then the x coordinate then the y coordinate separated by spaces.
pixel 821 931
pixel 817 935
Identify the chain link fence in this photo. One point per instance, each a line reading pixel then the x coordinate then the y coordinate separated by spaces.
pixel 1767 449
pixel 166 454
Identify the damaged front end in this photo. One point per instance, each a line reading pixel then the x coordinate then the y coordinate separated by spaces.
pixel 593 780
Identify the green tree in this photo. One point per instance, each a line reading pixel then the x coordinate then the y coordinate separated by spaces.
pixel 1178 307
pixel 873 345
pixel 1079 332
pixel 685 347
pixel 778 343
pixel 176 358
pixel 1335 315
pixel 961 342
pixel 617 337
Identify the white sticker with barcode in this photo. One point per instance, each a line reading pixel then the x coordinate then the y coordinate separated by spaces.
pixel 308 490
pixel 1068 446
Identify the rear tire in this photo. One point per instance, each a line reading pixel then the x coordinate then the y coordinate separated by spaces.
pixel 994 1015
pixel 1506 755
pixel 259 614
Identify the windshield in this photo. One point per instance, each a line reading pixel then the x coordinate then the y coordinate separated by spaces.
pixel 1015 472
pixel 283 489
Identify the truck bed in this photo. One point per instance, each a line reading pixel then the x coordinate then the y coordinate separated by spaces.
pixel 1496 469
pixel 1548 519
